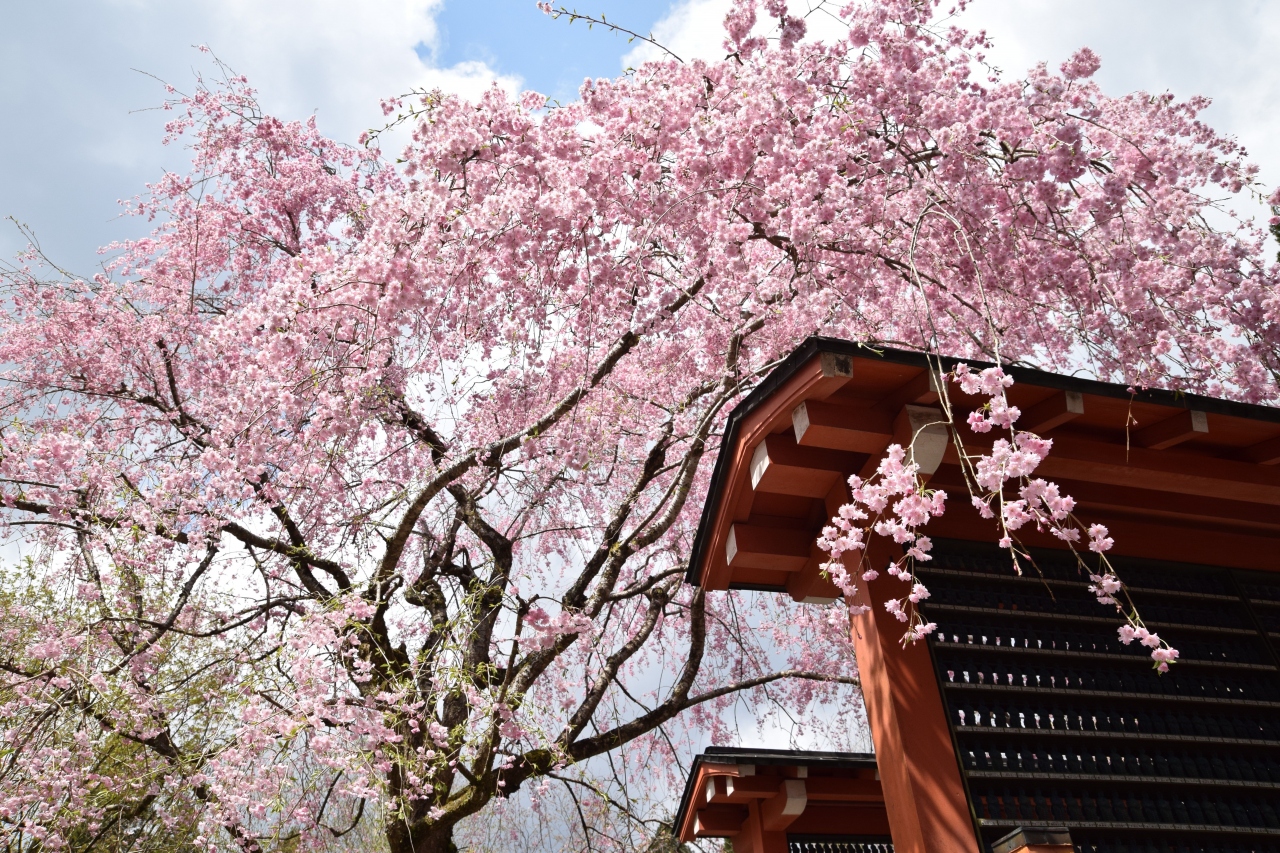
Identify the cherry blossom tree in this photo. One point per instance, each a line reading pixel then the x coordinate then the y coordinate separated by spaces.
pixel 358 496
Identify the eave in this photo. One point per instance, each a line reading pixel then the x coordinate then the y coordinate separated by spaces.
pixel 1140 461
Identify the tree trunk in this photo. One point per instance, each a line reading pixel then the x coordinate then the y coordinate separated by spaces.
pixel 421 838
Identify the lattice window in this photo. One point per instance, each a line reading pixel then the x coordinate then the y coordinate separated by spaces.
pixel 1058 724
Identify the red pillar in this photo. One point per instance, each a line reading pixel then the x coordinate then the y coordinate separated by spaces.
pixel 923 792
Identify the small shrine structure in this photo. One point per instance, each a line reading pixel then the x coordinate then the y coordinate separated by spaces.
pixel 765 799
pixel 1022 723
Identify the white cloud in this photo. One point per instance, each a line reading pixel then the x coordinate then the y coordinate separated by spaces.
pixel 693 29
pixel 82 129
pixel 336 57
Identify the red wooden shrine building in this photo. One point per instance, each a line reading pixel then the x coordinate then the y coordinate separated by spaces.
pixel 1022 723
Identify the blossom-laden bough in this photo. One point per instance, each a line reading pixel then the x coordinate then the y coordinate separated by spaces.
pixel 357 497
pixel 896 503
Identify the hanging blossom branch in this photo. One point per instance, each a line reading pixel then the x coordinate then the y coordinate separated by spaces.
pixel 632 35
pixel 898 478
pixel 895 504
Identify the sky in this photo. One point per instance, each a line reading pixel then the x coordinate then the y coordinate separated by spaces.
pixel 80 79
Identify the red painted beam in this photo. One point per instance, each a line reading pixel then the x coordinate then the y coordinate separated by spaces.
pixel 1076 458
pixel 1057 410
pixel 1173 507
pixel 836 790
pixel 1263 453
pixel 1114 464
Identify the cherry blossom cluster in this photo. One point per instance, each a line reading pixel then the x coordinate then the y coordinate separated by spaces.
pixel 1009 465
pixel 546 630
pixel 895 505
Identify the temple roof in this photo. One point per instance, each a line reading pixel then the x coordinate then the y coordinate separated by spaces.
pixel 1158 455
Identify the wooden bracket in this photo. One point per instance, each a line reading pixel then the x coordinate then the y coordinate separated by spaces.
pixel 780 466
pixel 836 427
pixel 923 431
pixel 1061 407
pixel 744 788
pixel 781 810
pixel 1185 425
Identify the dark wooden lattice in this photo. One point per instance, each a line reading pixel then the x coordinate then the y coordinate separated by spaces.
pixel 1056 723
